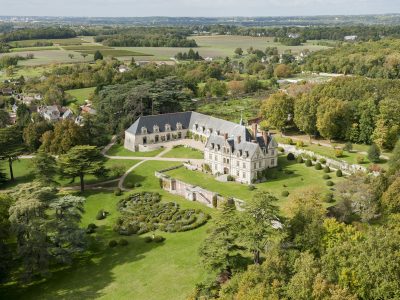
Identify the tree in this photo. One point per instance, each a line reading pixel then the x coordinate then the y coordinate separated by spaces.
pixel 11 146
pixel 98 55
pixel 66 134
pixel 367 121
pixel 394 161
pixel 305 114
pixel 5 251
pixel 80 161
pixel 218 251
pixel 44 167
pixel 333 118
pixel 374 153
pixel 69 238
pixel 239 51
pixel 260 223
pixel 391 198
pixel 33 133
pixel 23 115
pixel 4 118
pixel 278 110
pixel 282 71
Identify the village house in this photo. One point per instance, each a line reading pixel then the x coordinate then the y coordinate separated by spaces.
pixel 50 113
pixel 229 148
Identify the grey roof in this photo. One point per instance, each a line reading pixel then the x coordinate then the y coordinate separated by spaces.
pixel 189 120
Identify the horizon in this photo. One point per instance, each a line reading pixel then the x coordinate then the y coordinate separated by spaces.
pixel 195 8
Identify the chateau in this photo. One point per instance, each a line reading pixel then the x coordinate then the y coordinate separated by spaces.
pixel 230 148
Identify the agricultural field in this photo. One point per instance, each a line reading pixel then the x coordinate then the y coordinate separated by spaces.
pixel 81 94
pixel 60 42
pixel 44 48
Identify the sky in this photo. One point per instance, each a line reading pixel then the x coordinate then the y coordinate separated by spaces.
pixel 195 8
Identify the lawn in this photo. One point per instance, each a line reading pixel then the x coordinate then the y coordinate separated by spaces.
pixel 140 270
pixel 302 177
pixel 119 150
pixel 184 152
pixel 81 94
pixel 22 172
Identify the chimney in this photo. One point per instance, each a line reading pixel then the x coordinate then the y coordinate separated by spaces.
pixel 225 136
pixel 254 128
pixel 239 139
pixel 265 137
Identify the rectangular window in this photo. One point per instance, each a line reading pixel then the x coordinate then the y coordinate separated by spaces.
pixel 255 165
pixel 244 165
pixel 244 175
pixel 259 164
pixel 272 162
pixel 237 163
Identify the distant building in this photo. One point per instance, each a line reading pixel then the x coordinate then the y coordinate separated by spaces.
pixel 50 113
pixel 123 69
pixel 68 115
pixel 350 38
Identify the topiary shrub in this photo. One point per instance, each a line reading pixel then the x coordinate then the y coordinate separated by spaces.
pixel 117 192
pixel 318 166
pixel 308 163
pixel 329 183
pixel 101 214
pixel 348 147
pixel 326 177
pixel 314 158
pixel 290 156
pixel 285 193
pixel 299 159
pixel 251 187
pixel 374 153
pixel 338 153
pixel 91 228
pixel 148 239
pixel 230 178
pixel 327 169
pixel 328 198
pixel 339 173
pixel 360 159
pixel 112 243
pixel 123 242
pixel 300 144
pixel 322 161
pixel 158 239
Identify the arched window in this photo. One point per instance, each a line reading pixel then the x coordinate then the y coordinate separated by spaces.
pixel 144 130
pixel 156 128
pixel 178 126
pixel 167 127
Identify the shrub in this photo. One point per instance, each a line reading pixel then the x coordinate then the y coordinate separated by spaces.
pixel 329 183
pixel 280 149
pixel 117 192
pixel 308 163
pixel 348 147
pixel 215 201
pixel 322 161
pixel 314 158
pixel 328 198
pixel 91 228
pixel 251 187
pixel 318 166
pixel 327 169
pixel 112 243
pixel 326 177
pixel 374 153
pixel 117 170
pixel 285 193
pixel 230 178
pixel 148 239
pixel 123 242
pixel 339 173
pixel 290 156
pixel 360 159
pixel 300 144
pixel 101 214
pixel 338 152
pixel 299 159
pixel 158 239
pixel 289 141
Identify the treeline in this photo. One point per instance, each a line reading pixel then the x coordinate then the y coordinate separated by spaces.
pixel 379 59
pixel 39 33
pixel 354 109
pixel 363 32
pixel 190 55
pixel 287 41
pixel 141 40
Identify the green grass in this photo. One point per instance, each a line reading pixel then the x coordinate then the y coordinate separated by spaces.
pixel 27 72
pixel 140 270
pixel 115 52
pixel 61 42
pixel 22 172
pixel 119 150
pixel 34 49
pixel 81 94
pixel 302 177
pixel 86 47
pixel 184 152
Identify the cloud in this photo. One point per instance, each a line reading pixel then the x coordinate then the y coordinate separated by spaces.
pixel 131 8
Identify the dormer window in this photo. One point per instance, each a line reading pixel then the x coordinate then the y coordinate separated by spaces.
pixel 178 126
pixel 144 130
pixel 246 154
pixel 156 128
pixel 167 127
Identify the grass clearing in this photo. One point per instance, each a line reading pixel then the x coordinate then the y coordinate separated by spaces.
pixel 22 172
pixel 119 150
pixel 184 152
pixel 81 94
